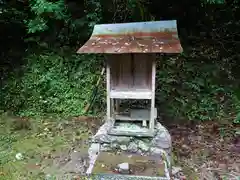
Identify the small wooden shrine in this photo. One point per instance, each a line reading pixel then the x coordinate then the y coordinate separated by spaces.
pixel 130 50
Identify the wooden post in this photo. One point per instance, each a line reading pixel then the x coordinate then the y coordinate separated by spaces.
pixel 108 92
pixel 152 117
pixel 112 108
pixel 117 107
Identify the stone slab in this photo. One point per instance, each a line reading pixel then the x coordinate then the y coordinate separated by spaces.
pixel 108 163
pixel 130 129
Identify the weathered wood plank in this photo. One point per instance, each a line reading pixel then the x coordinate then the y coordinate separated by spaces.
pixel 152 121
pixel 131 94
pixel 108 91
pixel 125 79
pixel 142 133
pixel 137 115
pixel 142 71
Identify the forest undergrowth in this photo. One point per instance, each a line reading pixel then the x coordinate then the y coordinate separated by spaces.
pixel 44 83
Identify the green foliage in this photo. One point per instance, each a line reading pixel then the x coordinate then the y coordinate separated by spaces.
pixel 45 11
pixel 55 9
pixel 237 102
pixel 188 92
pixel 214 1
pixel 237 120
pixel 37 24
pixel 56 82
pixel 94 14
pixel 138 10
pixel 52 83
pixel 217 1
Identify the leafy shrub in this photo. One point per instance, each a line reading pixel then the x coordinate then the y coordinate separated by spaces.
pixel 52 83
pixel 237 102
pixel 190 90
pixel 59 83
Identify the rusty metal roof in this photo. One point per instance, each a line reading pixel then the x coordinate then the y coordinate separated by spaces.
pixel 139 37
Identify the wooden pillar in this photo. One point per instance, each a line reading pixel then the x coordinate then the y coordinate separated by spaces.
pixel 108 91
pixel 152 113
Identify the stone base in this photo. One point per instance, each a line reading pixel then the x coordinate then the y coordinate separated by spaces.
pixel 130 164
pixel 160 144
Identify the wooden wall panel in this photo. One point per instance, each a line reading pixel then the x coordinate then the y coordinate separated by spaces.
pixel 142 71
pixel 131 71
pixel 125 79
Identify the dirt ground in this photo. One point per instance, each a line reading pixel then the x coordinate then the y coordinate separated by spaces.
pixel 57 149
pixel 51 149
pixel 207 151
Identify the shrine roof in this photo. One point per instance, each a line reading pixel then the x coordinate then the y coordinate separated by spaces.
pixel 138 37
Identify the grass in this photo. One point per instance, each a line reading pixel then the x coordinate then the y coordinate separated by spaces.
pixel 38 146
pixel 49 138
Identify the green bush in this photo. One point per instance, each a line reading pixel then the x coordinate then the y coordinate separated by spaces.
pixel 191 89
pixel 61 83
pixel 52 84
pixel 237 102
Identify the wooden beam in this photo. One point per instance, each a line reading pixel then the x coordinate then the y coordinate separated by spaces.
pixel 108 91
pixel 152 118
